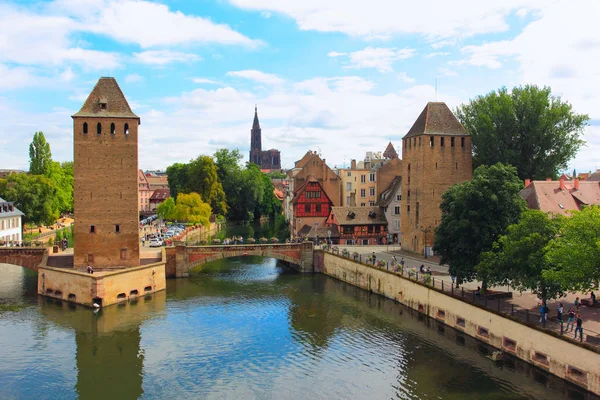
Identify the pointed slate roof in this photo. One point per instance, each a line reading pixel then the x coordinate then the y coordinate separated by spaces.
pixel 255 123
pixel 390 152
pixel 436 119
pixel 387 195
pixel 108 92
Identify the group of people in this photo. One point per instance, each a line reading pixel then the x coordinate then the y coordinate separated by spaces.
pixel 574 320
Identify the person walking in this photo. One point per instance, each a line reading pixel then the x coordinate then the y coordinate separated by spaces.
pixel 559 313
pixel 577 303
pixel 542 309
pixel 579 328
pixel 570 320
pixel 374 258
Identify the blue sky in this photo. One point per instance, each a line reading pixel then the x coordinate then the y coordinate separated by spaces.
pixel 341 77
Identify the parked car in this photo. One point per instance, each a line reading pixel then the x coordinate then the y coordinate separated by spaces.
pixel 155 242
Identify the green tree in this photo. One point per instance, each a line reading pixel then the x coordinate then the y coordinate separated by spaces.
pixel 518 258
pixel 528 128
pixel 40 155
pixel 202 179
pixel 575 253
pixel 191 208
pixel 474 214
pixel 166 209
pixel 270 205
pixel 34 195
pixel 177 176
pixel 228 163
pixel 62 179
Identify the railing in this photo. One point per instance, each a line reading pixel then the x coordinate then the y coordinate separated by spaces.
pixel 492 303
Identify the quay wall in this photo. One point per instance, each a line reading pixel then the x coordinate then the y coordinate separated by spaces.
pixel 566 360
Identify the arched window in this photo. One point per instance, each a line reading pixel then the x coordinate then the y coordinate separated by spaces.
pixel 99 128
pixel 85 129
pixel 112 128
pixel 409 167
pixel 126 129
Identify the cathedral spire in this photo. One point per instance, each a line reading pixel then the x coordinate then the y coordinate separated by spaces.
pixel 255 124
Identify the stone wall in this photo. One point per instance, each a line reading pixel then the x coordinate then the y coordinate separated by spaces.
pixel 566 360
pixel 27 257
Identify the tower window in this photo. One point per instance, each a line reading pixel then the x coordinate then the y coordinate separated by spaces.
pixel 409 166
pixel 452 141
pixel 442 141
pixel 117 228
pixel 112 128
pixel 456 165
pixel 419 141
pixel 415 142
pixel 436 165
pixel 85 128
pixel 462 142
pixel 92 229
pixel 99 128
pixel 126 129
pixel 409 143
pixel 431 141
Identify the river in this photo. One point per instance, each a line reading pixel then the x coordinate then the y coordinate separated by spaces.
pixel 247 328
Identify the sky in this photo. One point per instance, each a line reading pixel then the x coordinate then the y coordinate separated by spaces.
pixel 341 77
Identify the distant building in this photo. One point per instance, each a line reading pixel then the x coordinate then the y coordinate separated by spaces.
pixel 6 172
pixel 157 181
pixel 267 160
pixel 311 207
pixel 144 192
pixel 390 201
pixel 359 225
pixel 562 196
pixel 157 197
pixel 11 226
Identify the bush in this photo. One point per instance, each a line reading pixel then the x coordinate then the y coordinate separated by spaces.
pixel 345 253
pixel 381 264
pixel 251 241
pixel 274 240
pixel 355 255
pixel 263 240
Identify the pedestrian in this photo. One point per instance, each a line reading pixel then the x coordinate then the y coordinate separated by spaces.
pixel 559 312
pixel 577 303
pixel 89 269
pixel 546 312
pixel 579 328
pixel 374 258
pixel 143 241
pixel 570 319
pixel 421 268
pixel 402 262
pixel 593 297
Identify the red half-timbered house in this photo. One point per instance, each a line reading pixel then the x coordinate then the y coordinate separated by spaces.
pixel 311 207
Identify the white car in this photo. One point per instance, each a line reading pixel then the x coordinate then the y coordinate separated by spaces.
pixel 155 242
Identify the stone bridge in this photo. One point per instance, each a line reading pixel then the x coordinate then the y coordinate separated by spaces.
pixel 27 257
pixel 181 258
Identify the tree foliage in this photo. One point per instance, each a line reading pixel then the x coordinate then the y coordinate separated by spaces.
pixel 166 209
pixel 474 214
pixel 177 177
pixel 63 181
pixel 575 253
pixel 191 208
pixel 40 155
pixel 202 179
pixel 34 195
pixel 528 128
pixel 518 258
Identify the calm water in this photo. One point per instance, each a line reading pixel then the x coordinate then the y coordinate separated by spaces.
pixel 247 328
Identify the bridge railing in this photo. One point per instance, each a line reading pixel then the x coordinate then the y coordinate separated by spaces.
pixel 24 243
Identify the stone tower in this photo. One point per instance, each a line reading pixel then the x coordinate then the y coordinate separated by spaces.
pixel 255 140
pixel 105 133
pixel 436 154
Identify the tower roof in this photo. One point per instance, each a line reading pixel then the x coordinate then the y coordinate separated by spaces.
pixel 255 123
pixel 436 119
pixel 106 100
pixel 390 152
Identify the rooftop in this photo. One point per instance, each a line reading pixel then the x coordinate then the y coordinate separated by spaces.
pixel 106 100
pixel 436 119
pixel 358 215
pixel 559 198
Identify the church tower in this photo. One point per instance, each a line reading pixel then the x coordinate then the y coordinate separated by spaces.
pixel 255 140
pixel 436 154
pixel 105 134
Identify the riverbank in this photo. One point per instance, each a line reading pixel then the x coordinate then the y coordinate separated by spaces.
pixel 576 363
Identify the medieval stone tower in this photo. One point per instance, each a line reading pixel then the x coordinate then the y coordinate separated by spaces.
pixel 105 133
pixel 436 154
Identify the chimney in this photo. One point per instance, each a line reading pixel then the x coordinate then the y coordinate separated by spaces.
pixel 576 183
pixel 352 164
pixel 527 182
pixel 562 183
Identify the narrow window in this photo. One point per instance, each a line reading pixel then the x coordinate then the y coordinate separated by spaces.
pixel 431 141
pixel 419 141
pixel 462 142
pixel 92 229
pixel 112 128
pixel 409 143
pixel 441 142
pixel 456 165
pixel 99 128
pixel 85 128
pixel 123 254
pixel 126 129
pixel 117 228
pixel 318 208
pixel 452 141
pixel 307 208
pixel 415 142
pixel 409 166
pixel 436 165
pixel 90 258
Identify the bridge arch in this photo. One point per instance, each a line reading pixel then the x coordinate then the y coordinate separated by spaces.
pixel 27 257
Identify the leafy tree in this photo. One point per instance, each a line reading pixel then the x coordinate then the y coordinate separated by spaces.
pixel 228 163
pixel 62 179
pixel 34 195
pixel 166 209
pixel 575 253
pixel 177 176
pixel 202 179
pixel 474 214
pixel 528 128
pixel 518 258
pixel 40 155
pixel 270 205
pixel 276 175
pixel 191 208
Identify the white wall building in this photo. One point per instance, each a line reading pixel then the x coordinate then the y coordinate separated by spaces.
pixel 391 202
pixel 10 222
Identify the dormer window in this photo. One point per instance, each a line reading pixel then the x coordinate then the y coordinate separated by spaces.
pixel 102 102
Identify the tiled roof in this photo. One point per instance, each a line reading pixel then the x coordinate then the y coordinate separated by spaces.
pixel 548 196
pixel 160 194
pixel 387 195
pixel 305 230
pixel 106 91
pixel 390 151
pixel 14 213
pixel 359 215
pixel 436 119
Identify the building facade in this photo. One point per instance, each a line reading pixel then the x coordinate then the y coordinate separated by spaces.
pixel 436 154
pixel 11 227
pixel 390 201
pixel 106 171
pixel 268 159
pixel 144 193
pixel 158 196
pixel 359 225
pixel 311 206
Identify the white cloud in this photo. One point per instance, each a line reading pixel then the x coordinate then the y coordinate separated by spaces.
pixel 67 75
pixel 405 78
pixel 134 78
pixel 265 14
pixel 18 77
pixel 206 81
pixel 257 76
pixel 437 54
pixel 164 57
pixel 375 57
pixel 380 18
